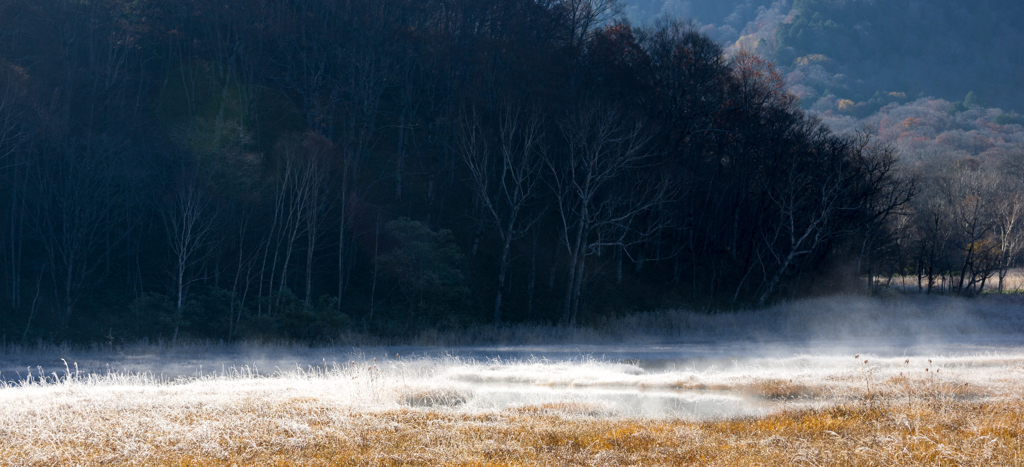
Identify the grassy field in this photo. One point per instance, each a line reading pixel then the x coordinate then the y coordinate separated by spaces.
pixel 324 419
pixel 957 399
pixel 922 432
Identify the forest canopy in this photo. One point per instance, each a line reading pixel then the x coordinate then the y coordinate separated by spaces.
pixel 303 168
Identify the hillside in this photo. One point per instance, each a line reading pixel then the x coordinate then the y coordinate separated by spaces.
pixel 941 48
pixel 865 50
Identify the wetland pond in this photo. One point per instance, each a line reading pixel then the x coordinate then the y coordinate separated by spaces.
pixel 689 380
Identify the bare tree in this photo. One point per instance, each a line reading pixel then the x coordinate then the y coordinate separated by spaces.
pixel 309 63
pixel 933 220
pixel 366 71
pixel 189 225
pixel 74 220
pixel 318 152
pixel 805 209
pixel 244 272
pixel 505 177
pixel 600 188
pixel 968 204
pixel 1009 214
pixel 584 16
pixel 300 201
pixel 409 106
pixel 11 137
pixel 13 173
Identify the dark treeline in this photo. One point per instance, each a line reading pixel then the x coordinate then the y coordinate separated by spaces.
pixel 239 168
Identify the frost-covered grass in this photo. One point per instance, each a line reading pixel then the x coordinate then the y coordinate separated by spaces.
pixel 360 415
pixel 903 382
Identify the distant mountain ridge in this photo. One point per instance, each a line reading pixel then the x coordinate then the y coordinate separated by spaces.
pixel 872 52
pixel 940 48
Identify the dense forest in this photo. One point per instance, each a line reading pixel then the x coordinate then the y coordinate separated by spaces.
pixel 939 81
pixel 242 168
pixel 963 229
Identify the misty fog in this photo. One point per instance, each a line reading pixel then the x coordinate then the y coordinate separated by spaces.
pixel 663 364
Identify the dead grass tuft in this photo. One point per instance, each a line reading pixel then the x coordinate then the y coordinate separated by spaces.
pixel 574 409
pixel 777 389
pixel 436 397
pixel 699 386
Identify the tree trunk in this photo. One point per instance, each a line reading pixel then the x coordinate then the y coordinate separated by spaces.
pixel 618 265
pixel 401 157
pixel 533 277
pixel 570 287
pixel 309 262
pixel 963 271
pixel 342 221
pixel 577 295
pixel 502 270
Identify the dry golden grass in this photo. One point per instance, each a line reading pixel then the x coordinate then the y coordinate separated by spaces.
pixel 434 397
pixel 879 410
pixel 775 389
pixel 769 389
pixel 929 426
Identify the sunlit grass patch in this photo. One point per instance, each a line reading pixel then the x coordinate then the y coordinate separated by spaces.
pixel 777 389
pixel 757 408
pixel 579 409
pixel 695 386
pixel 435 397
pixel 308 431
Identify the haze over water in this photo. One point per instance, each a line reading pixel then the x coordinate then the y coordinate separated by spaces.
pixel 725 365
